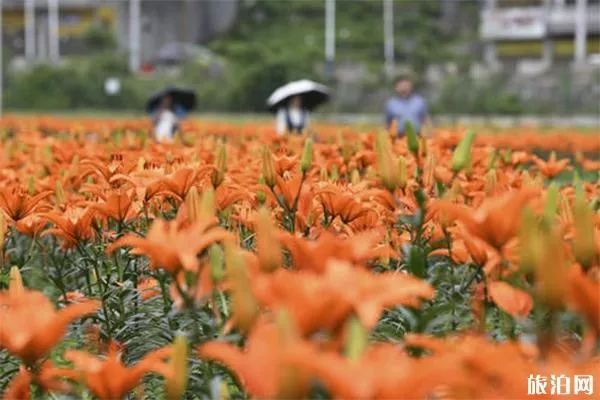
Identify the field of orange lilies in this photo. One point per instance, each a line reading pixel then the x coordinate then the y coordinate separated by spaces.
pixel 349 265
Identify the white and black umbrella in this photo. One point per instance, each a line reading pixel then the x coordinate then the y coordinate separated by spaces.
pixel 312 93
pixel 183 100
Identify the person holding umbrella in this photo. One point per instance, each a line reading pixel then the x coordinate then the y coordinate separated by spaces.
pixel 293 103
pixel 169 106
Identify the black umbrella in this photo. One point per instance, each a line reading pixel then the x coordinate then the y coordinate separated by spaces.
pixel 184 98
pixel 313 94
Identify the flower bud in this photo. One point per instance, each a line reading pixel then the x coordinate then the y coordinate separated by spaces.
pixel 193 204
pixel 530 246
pixel 355 177
pixel 551 204
pixel 307 156
pixel 491 159
pixel 141 164
pixel 412 140
pixel 15 283
pixel 387 169
pixel 491 179
pixel 335 174
pixel 268 248
pixel 30 185
pixel 215 257
pixel 245 307
pixel 347 151
pixel 3 230
pixel 323 175
pixel 59 192
pixel 221 165
pixel 176 384
pixel 584 244
pixel 551 270
pixel 207 204
pixel 462 154
pixel 402 172
pixel 357 339
pixel 268 171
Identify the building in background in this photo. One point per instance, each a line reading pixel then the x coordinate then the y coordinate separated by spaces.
pixel 550 31
pixel 75 19
pixel 161 22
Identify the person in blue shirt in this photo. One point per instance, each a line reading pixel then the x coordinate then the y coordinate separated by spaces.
pixel 406 105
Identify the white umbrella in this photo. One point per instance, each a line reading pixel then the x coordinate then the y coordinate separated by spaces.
pixel 313 94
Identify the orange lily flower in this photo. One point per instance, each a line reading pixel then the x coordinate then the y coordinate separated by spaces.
pixel 172 248
pixel 148 288
pixel 496 221
pixel 31 225
pixel 118 206
pixel 357 249
pixel 108 378
pixel 74 226
pixel 585 296
pixel 18 205
pixel 48 377
pixel 262 366
pixel 515 302
pixel 30 325
pixel 552 167
pixel 341 204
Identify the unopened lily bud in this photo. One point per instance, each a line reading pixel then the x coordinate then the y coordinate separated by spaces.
pixel 31 185
pixel 412 140
pixel 429 171
pixel 261 197
pixel 268 248
pixel 355 177
pixel 584 245
pixel 47 154
pixel 530 244
pixel 245 307
pixel 215 257
pixel 551 270
pixel 207 204
pixel 347 151
pixel 15 283
pixel 59 192
pixel 491 179
pixel 507 156
pixel 552 202
pixel 3 230
pixel 288 333
pixel 141 164
pixel 193 204
pixel 335 174
pixel 462 154
pixel 423 149
pixel 491 159
pixel 357 339
pixel 176 383
pixel 323 176
pixel 307 156
pixel 220 164
pixel 268 171
pixel 385 164
pixel 118 138
pixel 402 172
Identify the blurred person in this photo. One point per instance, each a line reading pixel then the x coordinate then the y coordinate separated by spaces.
pixel 406 105
pixel 292 117
pixel 166 122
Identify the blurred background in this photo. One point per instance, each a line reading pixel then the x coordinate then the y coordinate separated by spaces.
pixel 490 57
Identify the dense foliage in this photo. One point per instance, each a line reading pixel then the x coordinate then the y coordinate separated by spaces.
pixel 236 263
